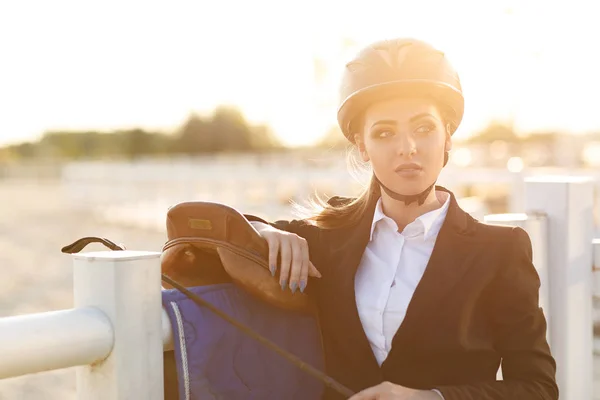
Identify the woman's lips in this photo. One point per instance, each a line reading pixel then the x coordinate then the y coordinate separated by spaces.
pixel 409 170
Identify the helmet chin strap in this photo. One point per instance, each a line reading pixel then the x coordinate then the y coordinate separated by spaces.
pixel 406 198
pixel 410 198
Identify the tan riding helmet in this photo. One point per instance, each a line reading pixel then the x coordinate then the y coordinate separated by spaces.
pixel 393 68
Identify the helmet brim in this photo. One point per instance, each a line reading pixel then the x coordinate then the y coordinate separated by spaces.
pixel 360 100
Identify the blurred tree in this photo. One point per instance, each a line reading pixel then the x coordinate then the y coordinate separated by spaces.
pixel 230 130
pixel 333 139
pixel 494 132
pixel 195 136
pixel 136 143
pixel 263 138
pixel 23 150
pixel 7 154
pixel 225 130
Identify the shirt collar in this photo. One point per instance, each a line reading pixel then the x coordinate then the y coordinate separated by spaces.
pixel 431 221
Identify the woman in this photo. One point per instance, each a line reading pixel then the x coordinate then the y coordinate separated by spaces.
pixel 416 299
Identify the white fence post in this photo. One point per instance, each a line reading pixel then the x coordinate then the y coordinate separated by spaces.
pixel 596 291
pixel 596 268
pixel 126 286
pixel 568 203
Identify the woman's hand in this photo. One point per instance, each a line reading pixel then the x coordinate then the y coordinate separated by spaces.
pixel 390 391
pixel 295 266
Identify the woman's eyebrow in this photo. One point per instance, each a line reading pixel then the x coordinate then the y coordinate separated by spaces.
pixel 393 122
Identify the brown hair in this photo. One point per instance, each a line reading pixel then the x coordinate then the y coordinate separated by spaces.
pixel 331 216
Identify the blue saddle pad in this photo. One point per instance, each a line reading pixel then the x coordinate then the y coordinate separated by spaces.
pixel 216 360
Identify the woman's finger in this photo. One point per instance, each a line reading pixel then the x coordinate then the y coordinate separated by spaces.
pixel 305 265
pixel 312 270
pixel 298 245
pixel 285 249
pixel 273 242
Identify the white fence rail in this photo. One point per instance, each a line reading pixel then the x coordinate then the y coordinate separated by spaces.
pixel 139 193
pixel 115 335
pixel 117 332
pixel 54 340
pixel 60 339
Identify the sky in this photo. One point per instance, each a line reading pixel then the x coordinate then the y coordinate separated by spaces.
pixel 107 65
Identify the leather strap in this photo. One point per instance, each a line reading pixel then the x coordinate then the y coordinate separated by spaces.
pixel 79 244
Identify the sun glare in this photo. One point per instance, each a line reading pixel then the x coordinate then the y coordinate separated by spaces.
pixel 156 64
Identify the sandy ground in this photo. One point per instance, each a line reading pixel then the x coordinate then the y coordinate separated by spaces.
pixel 35 222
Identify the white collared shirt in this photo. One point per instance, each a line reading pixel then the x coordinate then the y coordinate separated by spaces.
pixel 391 267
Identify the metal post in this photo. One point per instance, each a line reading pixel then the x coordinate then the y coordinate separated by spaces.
pixel 126 286
pixel 568 203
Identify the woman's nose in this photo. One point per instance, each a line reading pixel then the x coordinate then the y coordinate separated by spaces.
pixel 406 146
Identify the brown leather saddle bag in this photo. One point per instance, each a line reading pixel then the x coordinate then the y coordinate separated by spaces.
pixel 211 243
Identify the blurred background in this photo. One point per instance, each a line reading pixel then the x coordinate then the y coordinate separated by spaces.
pixel 110 112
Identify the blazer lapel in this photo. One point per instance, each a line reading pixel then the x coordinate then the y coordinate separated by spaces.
pixel 447 265
pixel 347 250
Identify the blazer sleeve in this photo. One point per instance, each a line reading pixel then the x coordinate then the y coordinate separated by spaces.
pixel 528 368
pixel 312 233
pixel 308 231
pixel 300 227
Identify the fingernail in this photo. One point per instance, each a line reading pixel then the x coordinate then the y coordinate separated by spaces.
pixel 283 284
pixel 272 269
pixel 302 285
pixel 293 286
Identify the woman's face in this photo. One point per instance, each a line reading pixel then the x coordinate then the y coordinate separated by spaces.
pixel 404 140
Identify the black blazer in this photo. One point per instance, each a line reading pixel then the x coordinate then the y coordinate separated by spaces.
pixel 476 305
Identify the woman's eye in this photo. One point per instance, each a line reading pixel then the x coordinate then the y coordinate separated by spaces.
pixel 426 128
pixel 383 133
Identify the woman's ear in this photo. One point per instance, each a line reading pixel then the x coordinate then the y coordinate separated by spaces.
pixel 360 145
pixel 448 142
